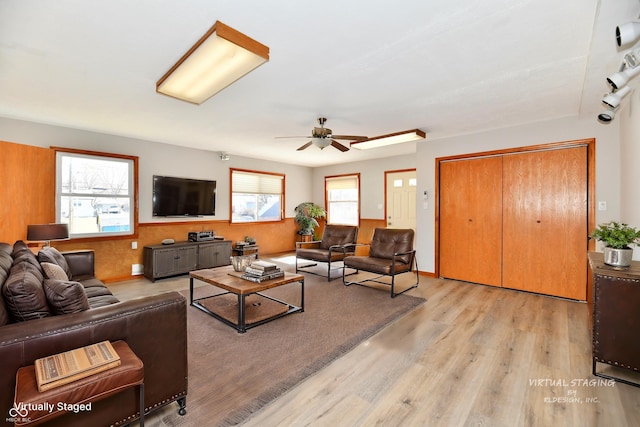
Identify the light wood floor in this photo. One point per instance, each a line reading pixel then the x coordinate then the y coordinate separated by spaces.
pixel 470 355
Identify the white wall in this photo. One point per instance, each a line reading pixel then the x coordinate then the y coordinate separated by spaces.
pixel 607 165
pixel 162 159
pixel 629 117
pixel 371 181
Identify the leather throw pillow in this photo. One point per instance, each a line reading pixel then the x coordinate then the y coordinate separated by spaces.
pixel 65 296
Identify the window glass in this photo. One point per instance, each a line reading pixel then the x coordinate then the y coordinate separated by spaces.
pixel 95 194
pixel 256 196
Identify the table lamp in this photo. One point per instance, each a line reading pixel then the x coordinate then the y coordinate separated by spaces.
pixel 47 232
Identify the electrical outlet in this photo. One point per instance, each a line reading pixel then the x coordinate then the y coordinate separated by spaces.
pixel 602 206
pixel 134 245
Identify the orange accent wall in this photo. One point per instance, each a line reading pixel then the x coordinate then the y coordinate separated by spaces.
pixel 114 257
pixel 28 189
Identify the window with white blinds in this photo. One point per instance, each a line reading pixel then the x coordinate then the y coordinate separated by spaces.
pixel 343 199
pixel 256 196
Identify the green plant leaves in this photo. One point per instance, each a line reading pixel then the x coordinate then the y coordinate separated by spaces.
pixel 616 235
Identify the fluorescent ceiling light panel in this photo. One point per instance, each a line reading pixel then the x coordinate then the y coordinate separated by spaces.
pixel 393 138
pixel 219 58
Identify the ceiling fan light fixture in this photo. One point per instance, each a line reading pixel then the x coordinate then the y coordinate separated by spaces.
pixel 321 142
pixel 390 139
pixel 222 56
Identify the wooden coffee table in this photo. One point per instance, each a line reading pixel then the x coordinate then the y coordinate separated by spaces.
pixel 227 279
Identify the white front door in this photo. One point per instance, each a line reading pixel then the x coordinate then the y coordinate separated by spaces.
pixel 401 199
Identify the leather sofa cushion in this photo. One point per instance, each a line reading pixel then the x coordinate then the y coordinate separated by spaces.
pixel 23 293
pixel 375 265
pixel 102 300
pixel 65 296
pixel 5 268
pixel 97 293
pixel 52 255
pixel 21 252
pixel 321 255
pixel 5 261
pixel 387 241
pixel 338 235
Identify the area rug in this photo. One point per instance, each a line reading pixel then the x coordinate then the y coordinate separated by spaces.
pixel 232 375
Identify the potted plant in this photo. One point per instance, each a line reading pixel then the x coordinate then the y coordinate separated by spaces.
pixel 307 215
pixel 617 237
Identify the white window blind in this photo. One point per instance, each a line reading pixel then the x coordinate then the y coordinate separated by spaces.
pixel 343 204
pixel 342 183
pixel 256 183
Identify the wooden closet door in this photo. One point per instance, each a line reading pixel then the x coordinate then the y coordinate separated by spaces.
pixel 545 222
pixel 471 220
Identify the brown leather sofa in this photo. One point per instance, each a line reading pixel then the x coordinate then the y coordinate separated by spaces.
pixel 155 328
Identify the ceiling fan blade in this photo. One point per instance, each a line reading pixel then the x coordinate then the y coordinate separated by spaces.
pixel 339 146
pixel 304 146
pixel 350 137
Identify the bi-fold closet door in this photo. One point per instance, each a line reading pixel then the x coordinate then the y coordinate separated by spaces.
pixel 516 220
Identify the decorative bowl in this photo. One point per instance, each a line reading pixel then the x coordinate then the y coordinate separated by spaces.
pixel 240 263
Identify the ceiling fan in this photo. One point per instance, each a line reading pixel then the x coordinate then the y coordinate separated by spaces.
pixel 322 137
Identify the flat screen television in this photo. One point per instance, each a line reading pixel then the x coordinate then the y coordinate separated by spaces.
pixel 183 197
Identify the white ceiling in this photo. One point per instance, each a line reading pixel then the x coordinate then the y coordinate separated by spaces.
pixel 371 67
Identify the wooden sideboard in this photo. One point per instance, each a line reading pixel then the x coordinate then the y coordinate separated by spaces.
pixel 615 303
pixel 182 257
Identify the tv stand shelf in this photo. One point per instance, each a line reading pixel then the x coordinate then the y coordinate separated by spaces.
pixel 182 257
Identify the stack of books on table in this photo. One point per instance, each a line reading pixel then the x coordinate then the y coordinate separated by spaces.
pixel 259 271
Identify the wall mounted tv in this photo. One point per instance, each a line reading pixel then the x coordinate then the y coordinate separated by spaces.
pixel 183 197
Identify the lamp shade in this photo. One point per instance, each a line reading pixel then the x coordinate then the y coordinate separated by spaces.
pixel 47 232
pixel 219 58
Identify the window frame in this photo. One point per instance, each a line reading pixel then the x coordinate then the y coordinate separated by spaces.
pixel 134 198
pixel 327 203
pixel 256 172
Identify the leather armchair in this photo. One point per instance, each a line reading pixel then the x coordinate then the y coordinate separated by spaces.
pixel 338 241
pixel 390 253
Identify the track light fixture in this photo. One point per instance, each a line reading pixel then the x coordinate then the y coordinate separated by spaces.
pixel 621 78
pixel 629 68
pixel 613 99
pixel 627 33
pixel 606 116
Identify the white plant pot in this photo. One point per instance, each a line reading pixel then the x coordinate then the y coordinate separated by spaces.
pixel 618 257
